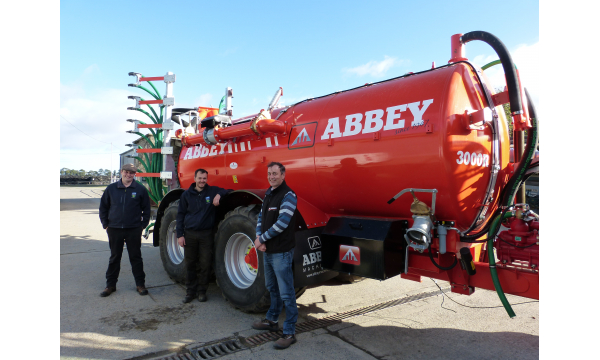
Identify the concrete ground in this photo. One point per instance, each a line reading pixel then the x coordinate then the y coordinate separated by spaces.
pixel 126 325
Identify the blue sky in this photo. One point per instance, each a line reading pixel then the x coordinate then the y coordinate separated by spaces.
pixel 309 48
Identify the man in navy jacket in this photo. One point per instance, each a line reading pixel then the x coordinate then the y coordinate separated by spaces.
pixel 195 220
pixel 124 213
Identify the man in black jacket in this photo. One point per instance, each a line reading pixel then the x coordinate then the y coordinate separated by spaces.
pixel 195 221
pixel 275 236
pixel 124 213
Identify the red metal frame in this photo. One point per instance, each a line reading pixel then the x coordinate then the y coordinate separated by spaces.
pixel 149 102
pixel 149 126
pixel 152 78
pixel 142 151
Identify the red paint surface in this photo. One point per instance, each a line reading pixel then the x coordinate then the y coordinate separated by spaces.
pixel 251 258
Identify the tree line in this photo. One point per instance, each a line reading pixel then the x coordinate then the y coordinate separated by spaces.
pixel 82 172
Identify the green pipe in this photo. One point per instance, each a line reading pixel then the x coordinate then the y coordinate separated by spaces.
pixel 489 65
pixel 221 104
pixel 146 230
pixel 149 92
pixel 142 161
pixel 155 180
pixel 155 119
pixel 148 140
pixel 151 130
pixel 495 62
pixel 146 113
pixel 150 194
pixel 157 93
pixel 492 260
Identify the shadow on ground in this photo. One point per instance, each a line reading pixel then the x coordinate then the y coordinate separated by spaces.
pixel 79 204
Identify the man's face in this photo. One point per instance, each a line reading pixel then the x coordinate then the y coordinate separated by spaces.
pixel 200 180
pixel 275 176
pixel 127 176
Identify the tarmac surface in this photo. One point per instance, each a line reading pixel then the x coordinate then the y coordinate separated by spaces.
pixel 126 325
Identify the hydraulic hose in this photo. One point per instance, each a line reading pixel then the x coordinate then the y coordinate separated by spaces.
pixel 512 82
pixel 439 266
pixel 492 260
pixel 532 141
pixel 509 192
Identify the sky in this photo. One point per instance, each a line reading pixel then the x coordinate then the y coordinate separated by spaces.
pixel 308 48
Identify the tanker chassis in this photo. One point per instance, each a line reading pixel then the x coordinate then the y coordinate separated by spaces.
pixel 408 176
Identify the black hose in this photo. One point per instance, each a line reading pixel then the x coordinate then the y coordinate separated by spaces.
pixel 518 178
pixel 472 237
pixel 512 83
pixel 436 264
pixel 532 140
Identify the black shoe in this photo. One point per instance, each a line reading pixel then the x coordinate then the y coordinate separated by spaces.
pixel 188 298
pixel 142 290
pixel 265 324
pixel 284 342
pixel 109 290
pixel 202 297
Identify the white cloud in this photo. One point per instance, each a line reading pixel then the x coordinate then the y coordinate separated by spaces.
pixel 374 68
pixel 100 114
pixel 206 100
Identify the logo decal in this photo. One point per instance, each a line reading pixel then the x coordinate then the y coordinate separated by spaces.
pixel 350 254
pixel 233 165
pixel 302 136
pixel 314 242
pixel 133 195
pixel 208 199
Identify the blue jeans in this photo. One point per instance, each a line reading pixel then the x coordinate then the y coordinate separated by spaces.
pixel 279 279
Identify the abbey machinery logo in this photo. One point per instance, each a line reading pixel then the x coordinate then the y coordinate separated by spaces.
pixel 349 255
pixel 302 136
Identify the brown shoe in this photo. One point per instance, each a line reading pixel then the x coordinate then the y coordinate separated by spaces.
pixel 142 290
pixel 108 291
pixel 265 324
pixel 285 341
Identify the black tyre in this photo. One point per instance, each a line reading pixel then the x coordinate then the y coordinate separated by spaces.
pixel 242 284
pixel 171 253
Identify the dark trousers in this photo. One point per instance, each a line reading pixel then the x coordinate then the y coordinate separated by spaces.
pixel 197 253
pixel 133 238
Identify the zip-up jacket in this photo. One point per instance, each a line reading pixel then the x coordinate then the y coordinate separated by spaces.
pixel 125 207
pixel 278 217
pixel 196 210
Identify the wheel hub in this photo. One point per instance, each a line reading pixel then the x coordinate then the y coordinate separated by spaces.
pixel 241 260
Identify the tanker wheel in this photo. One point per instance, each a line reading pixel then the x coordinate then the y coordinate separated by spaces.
pixel 239 268
pixel 171 253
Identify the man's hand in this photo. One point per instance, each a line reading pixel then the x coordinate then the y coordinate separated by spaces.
pixel 216 200
pixel 259 246
pixel 181 241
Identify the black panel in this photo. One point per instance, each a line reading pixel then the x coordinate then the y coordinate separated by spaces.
pixel 308 268
pixel 364 247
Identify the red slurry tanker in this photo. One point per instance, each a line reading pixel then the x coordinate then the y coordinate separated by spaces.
pixel 408 176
